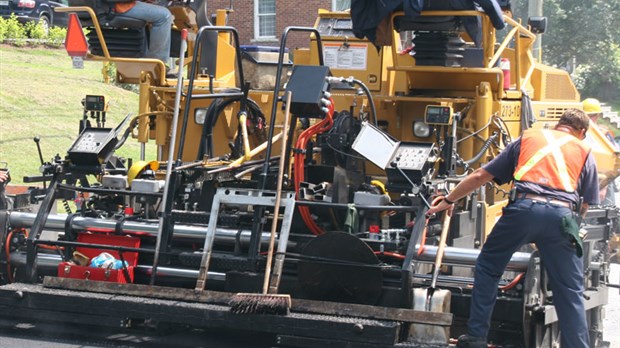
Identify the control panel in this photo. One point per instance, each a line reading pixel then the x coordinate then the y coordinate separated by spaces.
pixel 412 156
pixel 439 115
pixel 411 159
pixel 339 27
pixel 93 147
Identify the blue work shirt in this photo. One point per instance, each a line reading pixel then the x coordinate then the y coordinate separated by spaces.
pixel 503 167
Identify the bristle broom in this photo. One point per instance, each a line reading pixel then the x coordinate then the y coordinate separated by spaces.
pixel 266 302
pixel 254 303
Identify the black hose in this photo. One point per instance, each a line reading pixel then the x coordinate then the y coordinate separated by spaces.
pixel 370 100
pixel 128 131
pixel 213 112
pixel 484 148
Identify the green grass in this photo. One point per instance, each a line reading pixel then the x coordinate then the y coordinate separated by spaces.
pixel 40 96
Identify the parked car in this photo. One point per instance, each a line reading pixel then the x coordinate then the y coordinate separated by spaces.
pixel 41 11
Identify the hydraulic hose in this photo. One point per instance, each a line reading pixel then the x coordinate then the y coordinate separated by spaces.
pixel 370 100
pixel 213 113
pixel 483 150
pixel 351 81
pixel 299 172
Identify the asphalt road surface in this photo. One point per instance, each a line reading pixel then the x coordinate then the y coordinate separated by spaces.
pixel 30 335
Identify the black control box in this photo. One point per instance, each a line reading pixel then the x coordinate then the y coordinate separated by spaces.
pixel 307 84
pixel 93 147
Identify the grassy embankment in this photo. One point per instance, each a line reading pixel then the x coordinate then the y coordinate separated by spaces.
pixel 40 95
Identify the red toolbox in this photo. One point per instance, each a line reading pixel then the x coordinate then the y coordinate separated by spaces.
pixel 71 270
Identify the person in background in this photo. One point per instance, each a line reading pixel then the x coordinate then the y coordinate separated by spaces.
pixel 5 178
pixel 592 108
pixel 552 171
pixel 160 19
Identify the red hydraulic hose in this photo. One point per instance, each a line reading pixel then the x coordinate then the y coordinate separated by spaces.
pixel 391 254
pixel 299 170
pixel 513 282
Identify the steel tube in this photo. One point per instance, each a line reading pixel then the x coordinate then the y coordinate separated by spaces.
pixel 467 257
pixel 51 261
pixel 56 222
pixel 453 256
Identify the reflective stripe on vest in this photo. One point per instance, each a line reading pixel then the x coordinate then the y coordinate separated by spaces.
pixel 551 158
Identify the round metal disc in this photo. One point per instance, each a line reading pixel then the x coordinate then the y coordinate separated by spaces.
pixel 340 267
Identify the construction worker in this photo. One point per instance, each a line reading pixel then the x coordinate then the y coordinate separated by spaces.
pixel 592 108
pixel 160 19
pixel 551 171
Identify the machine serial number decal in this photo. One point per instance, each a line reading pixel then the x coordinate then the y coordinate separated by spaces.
pixel 510 111
pixel 345 55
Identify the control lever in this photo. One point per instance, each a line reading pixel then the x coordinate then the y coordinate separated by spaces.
pixel 36 141
pixel 414 187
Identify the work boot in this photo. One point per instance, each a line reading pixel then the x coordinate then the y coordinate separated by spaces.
pixel 467 341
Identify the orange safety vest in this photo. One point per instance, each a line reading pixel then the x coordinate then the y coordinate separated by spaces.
pixel 551 158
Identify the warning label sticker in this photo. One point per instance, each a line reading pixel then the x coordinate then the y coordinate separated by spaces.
pixel 345 56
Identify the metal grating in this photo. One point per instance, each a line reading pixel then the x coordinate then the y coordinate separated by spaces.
pixel 558 86
pixel 554 112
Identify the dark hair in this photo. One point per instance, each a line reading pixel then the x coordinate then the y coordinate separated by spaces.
pixel 575 119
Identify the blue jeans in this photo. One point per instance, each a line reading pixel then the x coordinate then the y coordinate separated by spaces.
pixel 160 19
pixel 525 221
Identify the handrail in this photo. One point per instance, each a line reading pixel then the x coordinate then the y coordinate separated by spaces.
pixel 200 38
pixel 524 34
pixel 276 92
pixel 501 48
pixel 104 46
pixel 93 17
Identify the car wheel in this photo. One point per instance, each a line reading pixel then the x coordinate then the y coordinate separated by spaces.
pixel 44 22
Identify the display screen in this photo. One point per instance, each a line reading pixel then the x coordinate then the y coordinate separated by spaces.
pixel 436 114
pixel 94 103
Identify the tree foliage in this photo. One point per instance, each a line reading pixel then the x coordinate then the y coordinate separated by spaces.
pixel 583 36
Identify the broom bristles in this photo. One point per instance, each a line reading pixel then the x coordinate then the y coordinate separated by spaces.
pixel 251 303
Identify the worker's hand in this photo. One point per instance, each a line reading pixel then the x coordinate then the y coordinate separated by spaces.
pixel 439 204
pixel 4 175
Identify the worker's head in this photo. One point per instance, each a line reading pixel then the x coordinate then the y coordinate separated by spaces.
pixel 577 120
pixel 592 107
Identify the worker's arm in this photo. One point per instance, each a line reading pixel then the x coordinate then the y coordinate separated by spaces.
pixel 589 182
pixel 474 180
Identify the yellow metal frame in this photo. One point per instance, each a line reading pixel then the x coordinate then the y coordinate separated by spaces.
pixel 523 61
pixel 146 64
